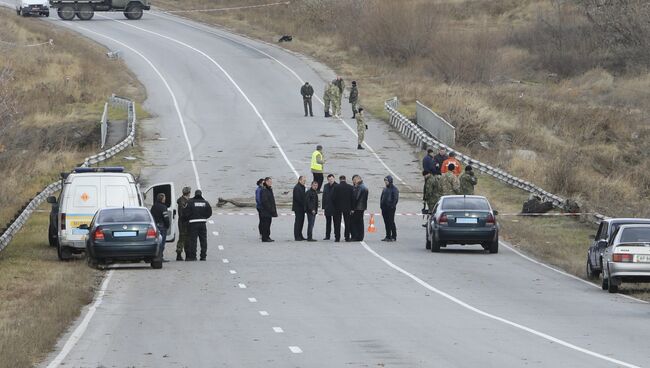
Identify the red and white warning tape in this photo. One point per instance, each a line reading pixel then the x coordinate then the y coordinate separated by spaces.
pixel 411 214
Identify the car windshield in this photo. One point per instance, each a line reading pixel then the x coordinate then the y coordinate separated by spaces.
pixel 463 203
pixel 121 215
pixel 636 235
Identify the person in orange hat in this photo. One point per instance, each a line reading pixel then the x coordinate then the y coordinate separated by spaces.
pixel 451 160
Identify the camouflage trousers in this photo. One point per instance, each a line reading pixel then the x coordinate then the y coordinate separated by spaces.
pixel 183 235
pixel 354 107
pixel 336 106
pixel 361 132
pixel 326 102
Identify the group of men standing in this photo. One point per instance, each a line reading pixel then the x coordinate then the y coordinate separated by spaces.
pixel 341 201
pixel 443 177
pixel 193 213
pixel 332 97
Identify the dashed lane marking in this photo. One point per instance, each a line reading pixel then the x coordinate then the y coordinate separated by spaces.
pixel 232 272
pixel 211 222
pixel 295 349
pixel 264 313
pixel 242 286
pixel 220 247
pixel 252 300
pixel 215 233
pixel 225 260
pixel 278 330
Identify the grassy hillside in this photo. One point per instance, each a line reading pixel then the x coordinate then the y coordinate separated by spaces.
pixel 51 98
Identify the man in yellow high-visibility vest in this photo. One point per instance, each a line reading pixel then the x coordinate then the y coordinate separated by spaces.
pixel 317 163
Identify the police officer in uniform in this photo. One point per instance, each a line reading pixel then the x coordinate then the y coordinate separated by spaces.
pixel 183 225
pixel 198 212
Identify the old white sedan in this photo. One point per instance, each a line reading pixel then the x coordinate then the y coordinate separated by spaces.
pixel 627 257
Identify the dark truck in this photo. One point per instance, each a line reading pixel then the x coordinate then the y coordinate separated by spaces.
pixel 85 9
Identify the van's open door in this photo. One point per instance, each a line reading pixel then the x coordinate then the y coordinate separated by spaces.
pixel 170 201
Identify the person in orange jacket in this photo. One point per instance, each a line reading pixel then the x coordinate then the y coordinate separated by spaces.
pixel 451 160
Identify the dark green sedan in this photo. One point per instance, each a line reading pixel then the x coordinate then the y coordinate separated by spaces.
pixel 123 235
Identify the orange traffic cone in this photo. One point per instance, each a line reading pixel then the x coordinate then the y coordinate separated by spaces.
pixel 371 227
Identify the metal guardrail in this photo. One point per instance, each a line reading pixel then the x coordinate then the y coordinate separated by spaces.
pixel 435 125
pixel 14 226
pixel 423 140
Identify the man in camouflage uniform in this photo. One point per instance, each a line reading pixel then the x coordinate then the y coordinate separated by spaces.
pixel 183 224
pixel 450 183
pixel 327 99
pixel 354 98
pixel 468 181
pixel 335 96
pixel 341 86
pixel 432 189
pixel 361 128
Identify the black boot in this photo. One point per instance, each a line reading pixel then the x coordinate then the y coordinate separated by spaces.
pixel 327 115
pixel 179 257
pixel 359 146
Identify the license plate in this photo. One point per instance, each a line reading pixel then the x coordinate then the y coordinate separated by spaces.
pixel 79 231
pixel 124 234
pixel 466 220
pixel 643 258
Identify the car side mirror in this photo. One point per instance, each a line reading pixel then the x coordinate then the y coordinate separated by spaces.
pixel 602 243
pixel 84 227
pixel 51 199
pixel 495 212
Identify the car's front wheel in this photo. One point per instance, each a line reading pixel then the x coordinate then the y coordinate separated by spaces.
pixel 157 264
pixel 64 253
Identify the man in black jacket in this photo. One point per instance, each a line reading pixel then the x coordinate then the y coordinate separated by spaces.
pixel 439 159
pixel 299 207
pixel 359 207
pixel 268 210
pixel 161 218
pixel 198 211
pixel 343 200
pixel 307 91
pixel 330 210
pixel 312 209
pixel 388 205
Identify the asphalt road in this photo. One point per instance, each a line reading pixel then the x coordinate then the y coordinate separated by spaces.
pixel 233 104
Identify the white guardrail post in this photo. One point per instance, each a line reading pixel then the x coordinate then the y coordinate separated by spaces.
pixel 19 221
pixel 423 140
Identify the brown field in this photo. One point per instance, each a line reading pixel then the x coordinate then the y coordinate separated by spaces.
pixel 51 98
pixel 564 80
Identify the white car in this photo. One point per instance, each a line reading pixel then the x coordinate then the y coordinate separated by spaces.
pixel 627 257
pixel 33 7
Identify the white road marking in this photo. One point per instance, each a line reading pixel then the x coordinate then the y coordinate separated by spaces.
pixel 79 331
pixel 215 233
pixel 295 349
pixel 565 273
pixel 220 247
pixel 181 120
pixel 232 81
pixel 211 222
pixel 278 330
pixel 374 153
pixel 494 317
pixel 264 313
pixel 232 272
pixel 242 286
pixel 252 300
pixel 225 260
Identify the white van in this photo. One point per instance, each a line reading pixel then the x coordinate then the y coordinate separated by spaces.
pixel 33 7
pixel 86 190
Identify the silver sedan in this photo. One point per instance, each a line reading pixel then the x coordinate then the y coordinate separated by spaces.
pixel 627 257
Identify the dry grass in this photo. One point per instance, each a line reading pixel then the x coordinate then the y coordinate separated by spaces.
pixel 55 96
pixel 515 74
pixel 39 295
